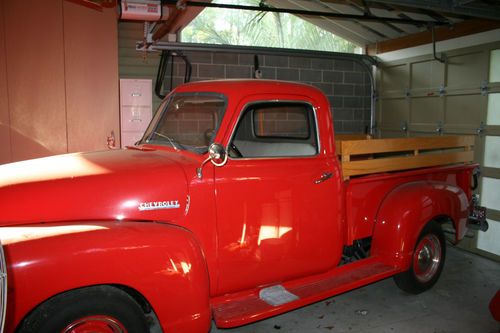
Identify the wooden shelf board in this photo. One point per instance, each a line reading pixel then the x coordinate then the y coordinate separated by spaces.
pixel 354 168
pixel 360 147
pixel 357 156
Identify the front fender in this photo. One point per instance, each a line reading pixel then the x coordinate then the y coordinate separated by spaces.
pixel 162 262
pixel 407 209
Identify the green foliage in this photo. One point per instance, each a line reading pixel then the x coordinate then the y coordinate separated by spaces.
pixel 242 27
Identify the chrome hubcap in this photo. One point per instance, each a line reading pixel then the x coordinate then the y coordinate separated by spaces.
pixel 427 258
pixel 95 324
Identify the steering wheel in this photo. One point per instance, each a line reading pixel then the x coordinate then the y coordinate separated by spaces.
pixel 208 135
pixel 235 150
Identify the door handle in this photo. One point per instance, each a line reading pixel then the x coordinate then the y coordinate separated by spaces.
pixel 324 176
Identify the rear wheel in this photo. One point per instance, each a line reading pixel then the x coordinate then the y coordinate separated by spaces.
pixel 100 309
pixel 427 261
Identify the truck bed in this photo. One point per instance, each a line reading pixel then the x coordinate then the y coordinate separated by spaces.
pixel 362 155
pixel 365 194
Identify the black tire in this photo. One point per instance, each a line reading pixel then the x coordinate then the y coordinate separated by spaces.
pixel 427 261
pixel 102 306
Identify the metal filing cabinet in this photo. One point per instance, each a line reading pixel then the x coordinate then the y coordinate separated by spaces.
pixel 136 99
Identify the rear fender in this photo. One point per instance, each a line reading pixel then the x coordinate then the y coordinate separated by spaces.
pixel 407 209
pixel 162 262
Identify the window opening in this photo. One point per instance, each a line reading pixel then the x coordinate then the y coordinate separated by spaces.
pixel 264 29
pixel 187 121
pixel 495 66
pixel 275 129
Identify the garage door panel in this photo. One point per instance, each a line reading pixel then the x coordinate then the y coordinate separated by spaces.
pixel 423 128
pixel 423 131
pixel 492 151
pixel 427 75
pixel 466 71
pixel 396 111
pixel 426 110
pixel 464 110
pixel 491 172
pixel 495 66
pixel 389 134
pixel 460 130
pixel 395 78
pixel 493 117
pixel 488 241
pixel 416 134
pixel 490 197
pixel 490 193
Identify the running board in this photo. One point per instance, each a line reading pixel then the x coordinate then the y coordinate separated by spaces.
pixel 244 308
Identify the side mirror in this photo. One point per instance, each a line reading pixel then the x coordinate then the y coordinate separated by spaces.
pixel 217 154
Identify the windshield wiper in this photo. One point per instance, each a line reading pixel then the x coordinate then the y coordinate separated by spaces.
pixel 172 142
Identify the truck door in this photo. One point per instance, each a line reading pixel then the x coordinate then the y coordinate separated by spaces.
pixel 278 199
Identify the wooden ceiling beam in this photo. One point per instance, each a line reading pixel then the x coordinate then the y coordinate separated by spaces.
pixel 177 20
pixel 470 8
pixel 389 7
pixel 460 29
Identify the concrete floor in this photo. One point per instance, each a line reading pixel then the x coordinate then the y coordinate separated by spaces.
pixel 457 303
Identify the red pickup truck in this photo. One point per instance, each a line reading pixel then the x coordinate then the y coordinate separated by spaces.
pixel 234 207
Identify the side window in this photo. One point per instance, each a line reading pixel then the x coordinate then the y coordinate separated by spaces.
pixel 275 129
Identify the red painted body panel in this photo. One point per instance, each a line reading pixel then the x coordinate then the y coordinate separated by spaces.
pixel 362 213
pixel 274 235
pixel 152 258
pixel 407 209
pixel 495 306
pixel 105 185
pixel 247 224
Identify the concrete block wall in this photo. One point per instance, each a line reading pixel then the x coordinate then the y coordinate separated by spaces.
pixel 346 83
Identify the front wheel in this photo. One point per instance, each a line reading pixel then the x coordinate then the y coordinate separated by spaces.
pixel 99 309
pixel 427 261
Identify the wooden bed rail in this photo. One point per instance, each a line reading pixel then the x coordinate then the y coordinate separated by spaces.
pixel 359 157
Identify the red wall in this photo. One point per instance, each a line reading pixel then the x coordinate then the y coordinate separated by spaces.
pixel 5 149
pixel 58 78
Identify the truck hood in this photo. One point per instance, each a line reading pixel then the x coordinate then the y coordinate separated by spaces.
pixel 109 185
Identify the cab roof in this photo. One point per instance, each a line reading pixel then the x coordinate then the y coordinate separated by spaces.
pixel 239 88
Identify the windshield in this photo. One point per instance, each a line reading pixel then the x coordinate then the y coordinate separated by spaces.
pixel 187 121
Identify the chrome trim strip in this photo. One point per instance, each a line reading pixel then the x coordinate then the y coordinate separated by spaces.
pixel 3 288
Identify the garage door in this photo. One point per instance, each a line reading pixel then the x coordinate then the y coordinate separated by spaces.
pixel 422 96
pixel 490 192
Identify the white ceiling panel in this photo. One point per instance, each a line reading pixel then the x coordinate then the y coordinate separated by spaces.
pixel 346 29
pixel 360 32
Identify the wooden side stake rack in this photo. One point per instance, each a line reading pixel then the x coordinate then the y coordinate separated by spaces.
pixel 358 153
